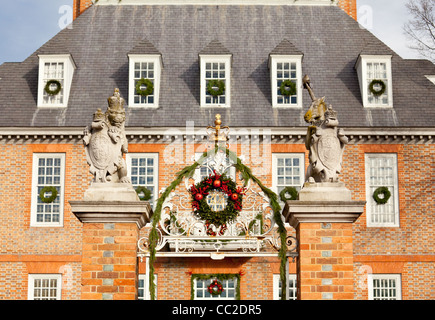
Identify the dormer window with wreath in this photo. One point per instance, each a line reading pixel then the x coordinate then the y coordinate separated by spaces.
pixel 215 64
pixel 375 78
pixel 285 64
pixel 55 78
pixel 145 64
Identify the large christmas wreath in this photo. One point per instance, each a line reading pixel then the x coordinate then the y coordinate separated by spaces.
pixel 145 191
pixel 216 87
pixel 51 190
pixel 149 87
pixel 384 193
pixel 288 88
pixel 228 188
pixel 288 190
pixel 48 85
pixel 215 288
pixel 380 91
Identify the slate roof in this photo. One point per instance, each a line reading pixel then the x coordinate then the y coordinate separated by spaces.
pixel 102 37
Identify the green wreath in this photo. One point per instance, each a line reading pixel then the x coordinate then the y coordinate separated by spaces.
pixel 146 82
pixel 55 91
pixel 216 83
pixel 380 92
pixel 51 198
pixel 288 88
pixel 215 288
pixel 146 193
pixel 288 190
pixel 223 184
pixel 381 191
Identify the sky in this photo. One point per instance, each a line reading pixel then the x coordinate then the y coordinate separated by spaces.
pixel 25 25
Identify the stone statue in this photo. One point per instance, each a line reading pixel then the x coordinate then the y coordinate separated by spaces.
pixel 105 143
pixel 324 140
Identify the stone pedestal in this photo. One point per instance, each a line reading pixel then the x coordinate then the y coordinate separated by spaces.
pixel 323 218
pixel 112 216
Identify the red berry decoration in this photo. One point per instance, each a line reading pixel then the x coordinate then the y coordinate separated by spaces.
pixel 234 196
pixel 198 197
pixel 217 183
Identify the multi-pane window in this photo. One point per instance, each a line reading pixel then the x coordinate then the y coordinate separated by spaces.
pixel 286 81
pixel 286 71
pixel 44 287
pixel 375 78
pixel 143 70
pixel 377 71
pixel 215 81
pixel 201 289
pixel 277 287
pixel 48 182
pixel 381 171
pixel 143 171
pixel 57 71
pixel 144 82
pixel 287 170
pixel 143 290
pixel 54 71
pixel 384 287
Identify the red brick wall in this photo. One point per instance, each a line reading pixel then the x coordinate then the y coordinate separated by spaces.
pixel 79 6
pixel 349 6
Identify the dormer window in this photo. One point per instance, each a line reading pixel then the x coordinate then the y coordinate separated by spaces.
pixel 375 78
pixel 285 64
pixel 55 78
pixel 215 64
pixel 144 78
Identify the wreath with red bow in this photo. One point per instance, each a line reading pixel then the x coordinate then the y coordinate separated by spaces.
pixel 215 288
pixel 227 186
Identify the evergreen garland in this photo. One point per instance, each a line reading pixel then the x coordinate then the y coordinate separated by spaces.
pixel 216 83
pixel 219 276
pixel 386 195
pixel 146 193
pixel 51 198
pixel 288 190
pixel 144 82
pixel 246 175
pixel 288 88
pixel 55 91
pixel 380 92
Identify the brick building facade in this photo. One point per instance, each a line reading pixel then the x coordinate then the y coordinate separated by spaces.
pixel 44 247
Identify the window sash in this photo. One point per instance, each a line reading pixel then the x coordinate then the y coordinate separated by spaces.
pixel 145 70
pixel 377 71
pixel 48 170
pixel 143 171
pixel 381 171
pixel 44 286
pixel 215 71
pixel 384 286
pixel 54 71
pixel 201 292
pixel 277 287
pixel 288 170
pixel 215 67
pixel 286 71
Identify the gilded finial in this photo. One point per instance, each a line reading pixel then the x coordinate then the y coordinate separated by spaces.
pixel 219 134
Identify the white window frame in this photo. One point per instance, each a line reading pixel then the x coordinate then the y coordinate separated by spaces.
pixel 203 83
pixel 69 67
pixel 35 195
pixel 144 278
pixel 158 66
pixel 275 157
pixel 155 157
pixel 370 189
pixel 371 288
pixel 361 67
pixel 31 284
pixel 274 60
pixel 204 289
pixel 277 287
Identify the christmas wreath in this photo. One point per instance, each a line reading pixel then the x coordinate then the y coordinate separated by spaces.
pixel 146 193
pixel 380 91
pixel 288 88
pixel 215 288
pixel 149 87
pixel 288 190
pixel 213 84
pixel 386 194
pixel 54 92
pixel 45 190
pixel 225 185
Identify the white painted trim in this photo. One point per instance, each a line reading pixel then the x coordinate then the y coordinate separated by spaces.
pixel 158 66
pixel 369 198
pixel 276 156
pixel 34 196
pixel 70 66
pixel 223 58
pixel 397 277
pixel 31 284
pixel 273 60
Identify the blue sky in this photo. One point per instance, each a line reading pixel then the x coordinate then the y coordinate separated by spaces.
pixel 25 25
